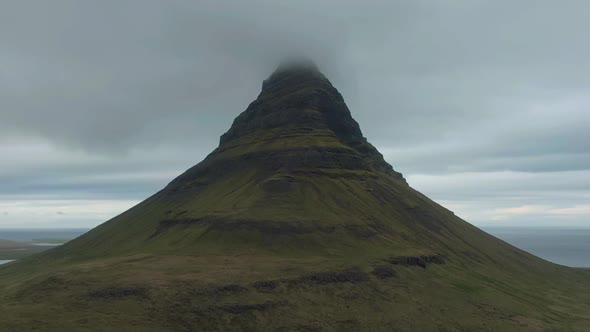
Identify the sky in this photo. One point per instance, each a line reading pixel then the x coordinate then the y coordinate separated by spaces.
pixel 482 105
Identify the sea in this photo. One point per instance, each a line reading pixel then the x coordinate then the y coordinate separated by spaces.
pixel 569 247
pixel 29 235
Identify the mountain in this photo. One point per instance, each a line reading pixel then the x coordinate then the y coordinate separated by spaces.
pixel 294 223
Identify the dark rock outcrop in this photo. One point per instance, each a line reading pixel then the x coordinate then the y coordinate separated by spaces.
pixel 323 278
pixel 384 272
pixel 266 285
pixel 118 292
pixel 352 275
pixel 421 261
pixel 237 308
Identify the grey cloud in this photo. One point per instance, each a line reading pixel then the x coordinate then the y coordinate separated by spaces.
pixel 99 79
pixel 52 173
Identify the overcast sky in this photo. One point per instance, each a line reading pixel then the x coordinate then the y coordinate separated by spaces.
pixel 482 105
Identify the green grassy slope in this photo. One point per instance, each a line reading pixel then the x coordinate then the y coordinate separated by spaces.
pixel 295 223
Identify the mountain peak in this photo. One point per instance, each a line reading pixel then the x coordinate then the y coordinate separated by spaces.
pixel 299 108
pixel 300 69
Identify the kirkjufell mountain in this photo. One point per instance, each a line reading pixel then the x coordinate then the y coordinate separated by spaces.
pixel 295 222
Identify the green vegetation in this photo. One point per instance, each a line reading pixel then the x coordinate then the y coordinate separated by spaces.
pixel 295 223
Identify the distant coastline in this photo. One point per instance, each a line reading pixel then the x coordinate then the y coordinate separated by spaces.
pixel 19 243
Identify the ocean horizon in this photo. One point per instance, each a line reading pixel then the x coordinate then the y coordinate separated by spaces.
pixel 564 246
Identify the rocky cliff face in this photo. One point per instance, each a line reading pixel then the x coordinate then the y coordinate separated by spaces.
pixel 298 123
pixel 297 96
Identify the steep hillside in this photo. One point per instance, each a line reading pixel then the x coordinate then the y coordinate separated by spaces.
pixel 295 222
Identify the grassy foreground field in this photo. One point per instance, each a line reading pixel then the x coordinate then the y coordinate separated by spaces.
pixel 241 293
